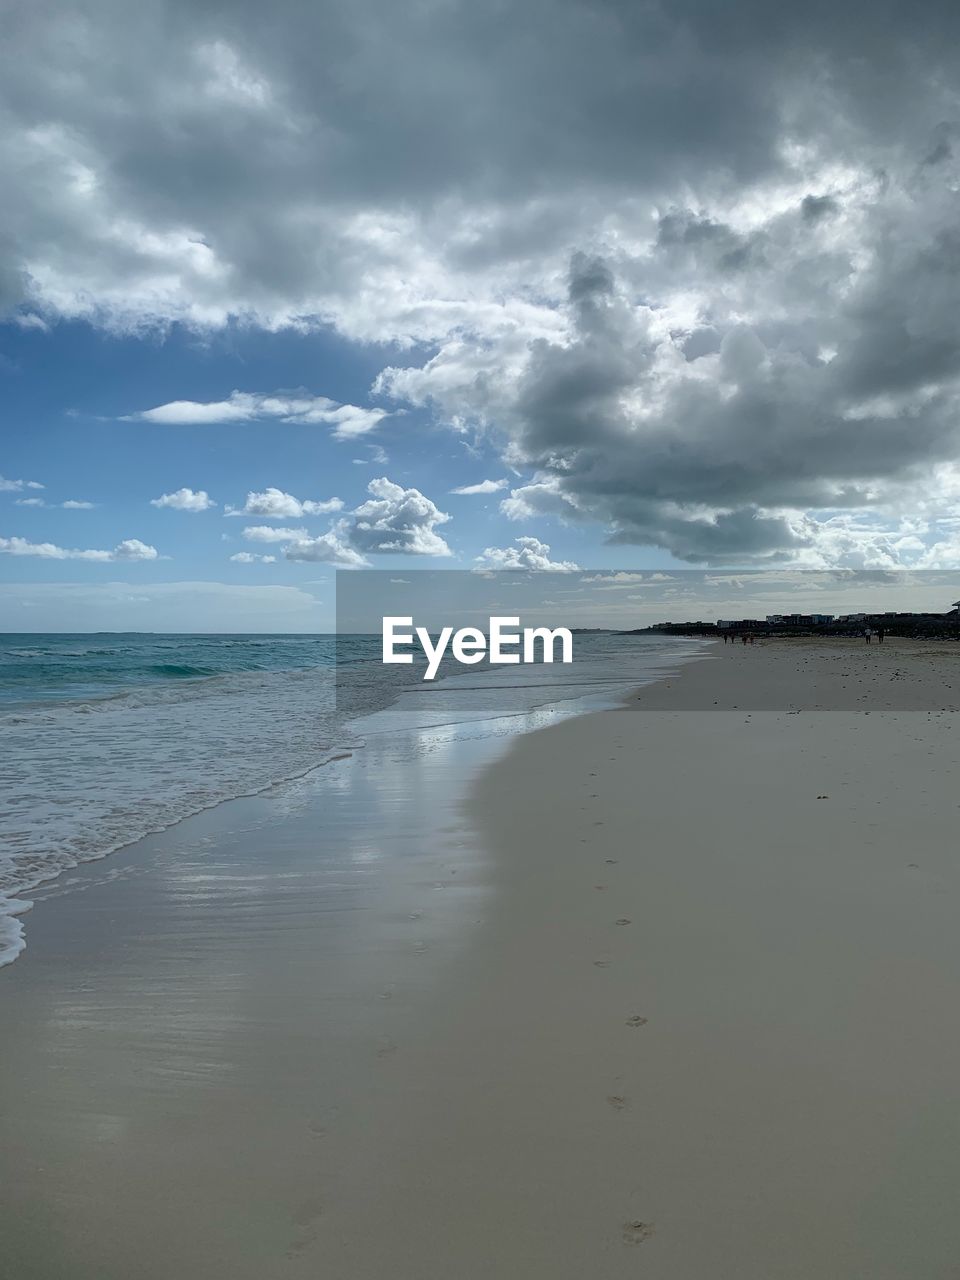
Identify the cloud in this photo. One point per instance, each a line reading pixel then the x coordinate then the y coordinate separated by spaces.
pixel 129 549
pixel 728 462
pixel 620 581
pixel 714 311
pixel 484 486
pixel 185 500
pixel 274 504
pixel 16 486
pixel 71 504
pixel 329 548
pixel 248 557
pixel 526 553
pixel 395 519
pixel 542 496
pixel 348 420
pixel 272 533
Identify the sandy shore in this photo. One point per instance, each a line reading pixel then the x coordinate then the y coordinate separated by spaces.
pixel 670 992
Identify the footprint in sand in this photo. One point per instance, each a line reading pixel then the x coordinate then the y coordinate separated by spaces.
pixel 316 1129
pixel 306 1213
pixel 636 1021
pixel 602 964
pixel 304 1216
pixel 623 920
pixel 636 1232
pixel 617 1102
pixel 386 1048
pixel 611 862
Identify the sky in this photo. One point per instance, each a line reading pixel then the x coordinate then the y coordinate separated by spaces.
pixel 293 288
pixel 627 599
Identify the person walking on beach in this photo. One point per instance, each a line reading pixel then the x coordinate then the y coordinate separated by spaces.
pixel 867 633
pixel 879 635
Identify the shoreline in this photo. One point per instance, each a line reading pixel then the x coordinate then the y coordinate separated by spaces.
pixel 603 1030
pixel 102 809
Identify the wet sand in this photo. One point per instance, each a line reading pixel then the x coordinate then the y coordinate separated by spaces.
pixel 669 991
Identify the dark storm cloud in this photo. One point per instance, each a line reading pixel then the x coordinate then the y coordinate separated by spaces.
pixel 694 473
pixel 254 125
pixel 813 208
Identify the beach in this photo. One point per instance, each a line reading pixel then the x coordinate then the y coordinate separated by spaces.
pixel 667 990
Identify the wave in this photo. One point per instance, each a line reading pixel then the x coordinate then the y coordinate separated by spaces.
pixel 179 670
pixel 88 778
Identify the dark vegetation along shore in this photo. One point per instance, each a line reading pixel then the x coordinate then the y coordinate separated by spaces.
pixel 932 626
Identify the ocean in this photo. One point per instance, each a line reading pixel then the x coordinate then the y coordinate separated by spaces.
pixel 109 737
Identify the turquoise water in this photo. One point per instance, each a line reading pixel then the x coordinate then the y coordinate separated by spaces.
pixel 50 668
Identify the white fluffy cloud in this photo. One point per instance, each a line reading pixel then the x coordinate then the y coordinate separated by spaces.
pixel 347 420
pixel 129 549
pixel 541 496
pixel 76 504
pixel 484 486
pixel 16 486
pixel 526 553
pixel 248 557
pixel 329 548
pixel 392 520
pixel 273 533
pixel 274 504
pixel 185 500
pixel 397 519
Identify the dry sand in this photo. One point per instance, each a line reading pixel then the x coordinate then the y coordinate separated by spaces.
pixel 694 1017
